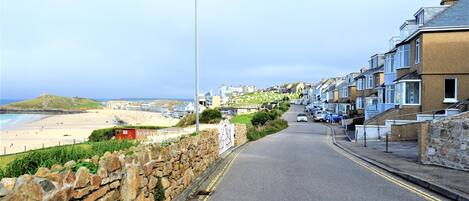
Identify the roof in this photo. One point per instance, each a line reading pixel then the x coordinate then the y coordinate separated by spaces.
pixel 455 16
pixel 409 76
pixel 370 72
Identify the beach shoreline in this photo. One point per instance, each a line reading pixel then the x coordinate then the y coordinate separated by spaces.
pixel 53 130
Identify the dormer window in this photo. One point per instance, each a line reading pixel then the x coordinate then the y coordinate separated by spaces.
pixel 420 18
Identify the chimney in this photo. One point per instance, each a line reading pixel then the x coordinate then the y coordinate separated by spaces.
pixel 448 2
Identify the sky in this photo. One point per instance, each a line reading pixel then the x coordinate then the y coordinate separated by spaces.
pixel 145 48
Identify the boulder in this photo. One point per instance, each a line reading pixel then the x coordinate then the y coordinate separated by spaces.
pixel 82 177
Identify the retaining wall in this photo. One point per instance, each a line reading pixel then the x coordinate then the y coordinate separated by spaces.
pixel 145 172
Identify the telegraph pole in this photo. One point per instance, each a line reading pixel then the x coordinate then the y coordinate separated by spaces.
pixel 196 68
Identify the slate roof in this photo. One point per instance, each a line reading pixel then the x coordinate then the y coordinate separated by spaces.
pixel 455 16
pixel 371 72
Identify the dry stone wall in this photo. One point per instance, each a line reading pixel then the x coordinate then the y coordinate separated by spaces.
pixel 145 172
pixel 448 143
pixel 240 134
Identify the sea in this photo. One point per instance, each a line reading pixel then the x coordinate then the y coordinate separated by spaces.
pixel 9 120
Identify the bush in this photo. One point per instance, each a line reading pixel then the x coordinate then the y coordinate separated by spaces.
pixel 260 118
pixel 211 116
pixel 274 114
pixel 101 135
pixel 186 121
pixel 270 127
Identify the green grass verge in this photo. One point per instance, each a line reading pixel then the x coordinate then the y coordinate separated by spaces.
pixel 243 119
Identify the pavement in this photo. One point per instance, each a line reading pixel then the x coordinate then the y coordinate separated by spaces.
pixel 402 160
pixel 301 163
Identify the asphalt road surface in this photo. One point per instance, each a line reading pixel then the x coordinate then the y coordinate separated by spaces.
pixel 299 163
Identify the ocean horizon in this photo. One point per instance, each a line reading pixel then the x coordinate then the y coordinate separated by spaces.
pixel 8 101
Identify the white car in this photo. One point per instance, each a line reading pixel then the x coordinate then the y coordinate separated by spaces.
pixel 319 116
pixel 301 118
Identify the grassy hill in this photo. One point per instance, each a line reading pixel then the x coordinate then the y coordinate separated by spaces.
pixel 52 102
pixel 258 98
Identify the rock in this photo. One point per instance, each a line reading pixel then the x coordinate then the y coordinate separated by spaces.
pixel 148 167
pixel 69 177
pixel 56 167
pixel 79 193
pixel 110 196
pixel 8 183
pixel 42 172
pixel 82 177
pixel 55 177
pixel 140 197
pixel 130 184
pixel 102 172
pixel 95 182
pixel 152 182
pixel 165 182
pixel 46 185
pixel 114 185
pixel 112 163
pixel 70 164
pixel 26 189
pixel 64 194
pixel 95 159
pixel 97 194
pixel 4 191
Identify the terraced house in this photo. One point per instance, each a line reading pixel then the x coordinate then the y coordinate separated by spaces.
pixel 431 61
pixel 368 84
pixel 347 91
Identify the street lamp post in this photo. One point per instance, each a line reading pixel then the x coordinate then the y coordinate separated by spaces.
pixel 196 68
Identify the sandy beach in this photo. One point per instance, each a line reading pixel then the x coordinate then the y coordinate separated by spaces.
pixel 53 130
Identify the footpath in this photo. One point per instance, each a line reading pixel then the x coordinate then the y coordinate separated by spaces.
pixel 401 161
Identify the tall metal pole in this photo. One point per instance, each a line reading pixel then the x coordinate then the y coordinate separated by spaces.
pixel 196 68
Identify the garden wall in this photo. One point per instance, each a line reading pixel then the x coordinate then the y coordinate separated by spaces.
pixel 144 172
pixel 447 143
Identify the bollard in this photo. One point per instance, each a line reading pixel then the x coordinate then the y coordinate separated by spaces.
pixel 364 133
pixel 387 151
pixel 379 136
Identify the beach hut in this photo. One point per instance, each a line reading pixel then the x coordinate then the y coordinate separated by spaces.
pixel 126 134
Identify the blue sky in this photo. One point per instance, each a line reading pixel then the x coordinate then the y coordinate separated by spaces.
pixel 144 48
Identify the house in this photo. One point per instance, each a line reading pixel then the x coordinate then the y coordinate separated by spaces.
pixel 432 65
pixel 347 92
pixel 368 83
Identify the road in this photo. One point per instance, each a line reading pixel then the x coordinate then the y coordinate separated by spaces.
pixel 300 163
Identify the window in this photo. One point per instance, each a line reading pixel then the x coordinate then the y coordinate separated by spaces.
pixel 389 63
pixel 420 18
pixel 359 102
pixel 389 94
pixel 381 97
pixel 450 90
pixel 412 93
pixel 417 51
pixel 369 81
pixel 402 56
pixel 344 92
pixel 360 84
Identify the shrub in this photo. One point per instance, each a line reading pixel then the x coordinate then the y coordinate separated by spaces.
pixel 186 121
pixel 101 134
pixel 270 127
pixel 211 116
pixel 274 114
pixel 260 118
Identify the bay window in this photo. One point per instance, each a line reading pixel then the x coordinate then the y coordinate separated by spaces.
pixel 451 90
pixel 408 92
pixel 360 84
pixel 388 63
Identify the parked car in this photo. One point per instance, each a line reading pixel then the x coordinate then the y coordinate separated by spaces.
pixel 333 118
pixel 301 118
pixel 320 116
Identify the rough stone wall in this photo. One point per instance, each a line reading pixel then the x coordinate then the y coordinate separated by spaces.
pixel 240 134
pixel 143 172
pixel 448 143
pixel 406 132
